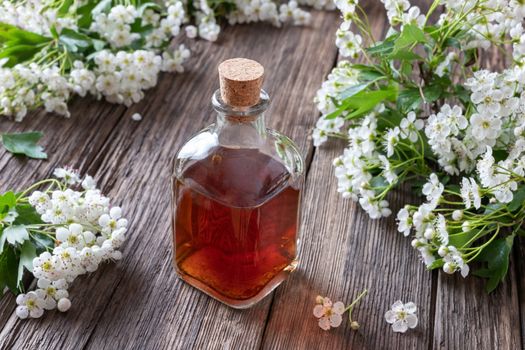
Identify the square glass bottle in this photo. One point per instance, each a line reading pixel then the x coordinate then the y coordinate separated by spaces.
pixel 236 196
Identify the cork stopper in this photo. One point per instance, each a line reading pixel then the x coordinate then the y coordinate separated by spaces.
pixel 240 81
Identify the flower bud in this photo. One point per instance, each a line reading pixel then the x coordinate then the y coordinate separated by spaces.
pixel 457 215
pixel 354 325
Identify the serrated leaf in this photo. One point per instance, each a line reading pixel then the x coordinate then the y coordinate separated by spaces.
pixel 27 215
pixel 7 201
pixel 496 255
pixel 8 270
pixel 74 41
pixel 383 47
pixel 404 55
pixel 27 254
pixel 411 34
pixel 24 144
pixel 16 234
pixel 15 35
pixel 42 242
pixel 18 53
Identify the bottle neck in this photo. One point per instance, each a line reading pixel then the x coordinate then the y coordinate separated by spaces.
pixel 240 126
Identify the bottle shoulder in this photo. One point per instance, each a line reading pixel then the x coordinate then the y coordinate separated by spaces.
pixel 240 176
pixel 274 144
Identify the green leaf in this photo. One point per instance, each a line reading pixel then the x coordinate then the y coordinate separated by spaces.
pixel 27 254
pixel 12 34
pixel 42 242
pixel 367 73
pixel 73 40
pixel 385 47
pixel 18 53
pixel 436 264
pixel 379 182
pixel 410 35
pixel 409 100
pixel 405 55
pixel 517 200
pixel 352 90
pixel 24 144
pixel 89 9
pixel 460 239
pixel 16 234
pixel 496 255
pixel 8 270
pixel 364 102
pixel 64 9
pixel 7 201
pixel 462 93
pixel 27 215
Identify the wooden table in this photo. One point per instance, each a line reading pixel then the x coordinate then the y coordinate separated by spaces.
pixel 139 303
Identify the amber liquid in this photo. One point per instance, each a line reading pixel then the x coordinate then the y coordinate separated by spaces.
pixel 235 225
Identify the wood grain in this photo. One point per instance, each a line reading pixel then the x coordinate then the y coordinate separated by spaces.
pixel 140 303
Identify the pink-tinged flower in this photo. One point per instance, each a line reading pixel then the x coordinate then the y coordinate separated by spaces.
pixel 328 313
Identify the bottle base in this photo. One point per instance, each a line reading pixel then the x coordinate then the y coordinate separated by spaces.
pixel 240 303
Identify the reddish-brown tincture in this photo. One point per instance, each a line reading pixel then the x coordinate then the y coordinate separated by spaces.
pixel 236 220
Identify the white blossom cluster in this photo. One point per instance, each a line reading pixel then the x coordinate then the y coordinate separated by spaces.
pixel 129 62
pixel 115 27
pixel 500 104
pixel 35 16
pixel 87 231
pixel 431 237
pixel 483 145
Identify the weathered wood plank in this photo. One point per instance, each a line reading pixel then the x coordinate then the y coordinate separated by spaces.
pixel 72 142
pixel 140 303
pixel 468 317
pixel 342 253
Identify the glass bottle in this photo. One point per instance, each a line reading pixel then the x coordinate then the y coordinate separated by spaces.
pixel 236 196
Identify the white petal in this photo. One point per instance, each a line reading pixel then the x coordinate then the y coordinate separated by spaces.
pixel 400 326
pixel 104 220
pixel 410 307
pixel 115 213
pixel 318 311
pixel 338 308
pixel 63 305
pixel 411 321
pixel 43 283
pixel 36 312
pixel 398 306
pixel 324 323
pixel 390 316
pixel 22 312
pixel 335 320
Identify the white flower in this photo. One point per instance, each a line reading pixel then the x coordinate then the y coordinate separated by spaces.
pixel 485 126
pixel 402 316
pixel 113 221
pixel 391 140
pixel 433 189
pixel 30 305
pixel 52 291
pixel 69 176
pixel 454 262
pixel 404 221
pixel 89 183
pixel 410 126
